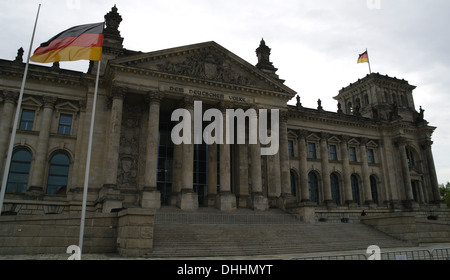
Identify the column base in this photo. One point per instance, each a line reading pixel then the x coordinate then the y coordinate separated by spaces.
pixel 259 202
pixel 285 200
pixel 351 204
pixel 226 202
pixel 305 211
pixel 211 200
pixel 150 198
pixel 187 200
pixel 410 204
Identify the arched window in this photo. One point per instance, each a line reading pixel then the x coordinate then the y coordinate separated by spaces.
pixel 335 189
pixel 374 189
pixel 58 174
pixel 19 171
pixel 349 108
pixel 313 187
pixel 355 189
pixel 293 184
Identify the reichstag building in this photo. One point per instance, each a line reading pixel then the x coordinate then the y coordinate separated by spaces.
pixel 374 152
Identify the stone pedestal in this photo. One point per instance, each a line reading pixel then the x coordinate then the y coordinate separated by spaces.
pixel 187 200
pixel 110 198
pixel 259 203
pixel 151 199
pixel 284 200
pixel 226 202
pixel 135 232
pixel 305 211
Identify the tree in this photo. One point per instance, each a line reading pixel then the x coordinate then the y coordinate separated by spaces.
pixel 445 193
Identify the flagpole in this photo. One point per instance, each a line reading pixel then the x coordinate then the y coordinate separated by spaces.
pixel 16 119
pixel 88 162
pixel 368 60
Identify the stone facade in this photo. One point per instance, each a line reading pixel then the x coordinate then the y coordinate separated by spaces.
pixel 373 153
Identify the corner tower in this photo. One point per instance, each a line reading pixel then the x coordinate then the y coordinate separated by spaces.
pixel 379 97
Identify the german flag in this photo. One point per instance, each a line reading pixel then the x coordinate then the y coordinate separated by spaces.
pixel 364 57
pixel 83 42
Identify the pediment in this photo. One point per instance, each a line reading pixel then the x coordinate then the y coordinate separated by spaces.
pixel 31 102
pixel 67 107
pixel 206 61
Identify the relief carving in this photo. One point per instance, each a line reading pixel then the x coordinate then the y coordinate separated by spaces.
pixel 127 176
pixel 206 65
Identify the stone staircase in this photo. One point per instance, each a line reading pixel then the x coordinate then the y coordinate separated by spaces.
pixel 210 233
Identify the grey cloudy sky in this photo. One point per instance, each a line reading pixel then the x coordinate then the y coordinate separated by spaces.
pixel 315 43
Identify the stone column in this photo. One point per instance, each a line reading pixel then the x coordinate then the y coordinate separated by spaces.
pixel 212 175
pixel 226 200
pixel 257 202
pixel 326 184
pixel 10 99
pixel 285 170
pixel 177 173
pixel 188 199
pixel 151 197
pixel 426 145
pixel 40 162
pixel 366 173
pixel 109 194
pixel 346 171
pixel 401 142
pixel 303 158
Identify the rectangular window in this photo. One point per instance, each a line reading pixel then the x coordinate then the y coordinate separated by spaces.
pixel 312 150
pixel 27 120
pixel 371 155
pixel 333 152
pixel 291 148
pixel 65 124
pixel 352 151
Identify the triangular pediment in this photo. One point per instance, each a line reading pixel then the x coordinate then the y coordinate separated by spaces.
pixel 205 61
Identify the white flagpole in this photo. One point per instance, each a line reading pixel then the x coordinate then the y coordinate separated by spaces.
pixel 16 119
pixel 368 61
pixel 88 162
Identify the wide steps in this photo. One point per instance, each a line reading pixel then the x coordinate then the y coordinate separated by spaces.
pixel 284 236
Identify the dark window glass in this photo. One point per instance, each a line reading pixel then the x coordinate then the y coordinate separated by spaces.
pixel 355 189
pixel 19 172
pixel 27 120
pixel 335 189
pixel 58 174
pixel 293 184
pixel 291 148
pixel 333 152
pixel 374 189
pixel 371 155
pixel 312 150
pixel 313 187
pixel 352 152
pixel 65 124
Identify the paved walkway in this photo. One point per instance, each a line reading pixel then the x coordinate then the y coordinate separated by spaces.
pixel 105 257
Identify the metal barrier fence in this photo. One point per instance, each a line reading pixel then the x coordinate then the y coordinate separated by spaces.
pixel 435 254
pixel 235 219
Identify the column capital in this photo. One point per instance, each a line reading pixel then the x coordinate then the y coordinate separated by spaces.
pixel 188 103
pixel 345 138
pixel 324 136
pixel 426 144
pixel 154 97
pixel 11 96
pixel 49 101
pixel 284 115
pixel 401 141
pixel 118 92
pixel 302 134
pixel 363 141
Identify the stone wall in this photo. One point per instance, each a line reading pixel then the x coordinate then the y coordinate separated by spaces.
pixel 44 234
pixel 416 226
